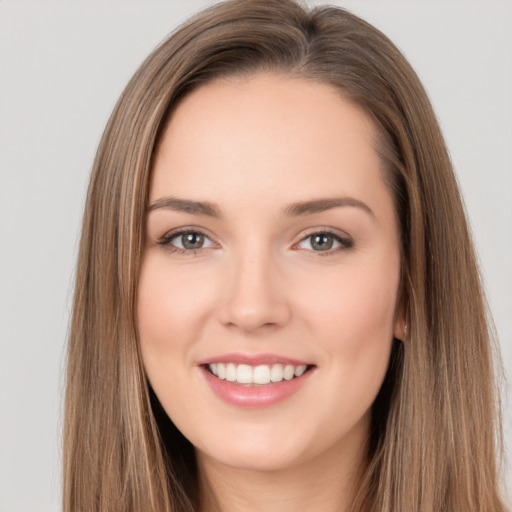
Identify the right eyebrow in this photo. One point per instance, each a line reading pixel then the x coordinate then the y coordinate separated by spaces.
pixel 187 206
pixel 321 205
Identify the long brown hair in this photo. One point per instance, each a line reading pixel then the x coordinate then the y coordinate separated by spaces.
pixel 435 428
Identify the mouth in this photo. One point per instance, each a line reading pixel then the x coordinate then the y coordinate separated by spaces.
pixel 256 381
pixel 258 375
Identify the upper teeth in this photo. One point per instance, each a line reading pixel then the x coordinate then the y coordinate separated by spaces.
pixel 262 374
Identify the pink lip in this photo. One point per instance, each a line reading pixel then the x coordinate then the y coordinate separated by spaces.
pixel 252 359
pixel 253 396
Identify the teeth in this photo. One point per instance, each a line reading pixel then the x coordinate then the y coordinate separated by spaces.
pixel 276 373
pixel 289 372
pixel 231 372
pixel 299 370
pixel 244 374
pixel 221 370
pixel 262 374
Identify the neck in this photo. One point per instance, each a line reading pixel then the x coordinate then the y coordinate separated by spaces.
pixel 325 483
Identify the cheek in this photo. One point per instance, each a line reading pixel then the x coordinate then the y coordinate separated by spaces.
pixel 164 315
pixel 351 317
pixel 352 307
pixel 171 306
pixel 169 310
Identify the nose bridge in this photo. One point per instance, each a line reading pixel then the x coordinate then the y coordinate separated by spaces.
pixel 254 295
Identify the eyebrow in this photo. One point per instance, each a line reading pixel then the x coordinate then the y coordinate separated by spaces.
pixel 187 206
pixel 292 210
pixel 320 205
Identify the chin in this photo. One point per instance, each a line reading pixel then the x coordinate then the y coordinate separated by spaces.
pixel 262 451
pixel 254 458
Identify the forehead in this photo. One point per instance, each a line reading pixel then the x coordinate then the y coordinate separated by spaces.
pixel 266 135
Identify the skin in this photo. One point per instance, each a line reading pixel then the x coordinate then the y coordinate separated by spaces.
pixel 253 147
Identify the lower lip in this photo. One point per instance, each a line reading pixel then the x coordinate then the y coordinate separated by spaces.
pixel 254 397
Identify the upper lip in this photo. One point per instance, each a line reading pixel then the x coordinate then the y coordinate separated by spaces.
pixel 253 359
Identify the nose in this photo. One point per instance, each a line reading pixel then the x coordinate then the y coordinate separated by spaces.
pixel 255 295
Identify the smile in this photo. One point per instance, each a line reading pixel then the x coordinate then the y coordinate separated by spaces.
pixel 256 375
pixel 255 382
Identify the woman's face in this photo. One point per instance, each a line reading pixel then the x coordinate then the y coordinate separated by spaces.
pixel 267 294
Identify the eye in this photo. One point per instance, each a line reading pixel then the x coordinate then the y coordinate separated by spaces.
pixel 324 241
pixel 186 241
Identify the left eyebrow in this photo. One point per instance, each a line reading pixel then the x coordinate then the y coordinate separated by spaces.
pixel 321 205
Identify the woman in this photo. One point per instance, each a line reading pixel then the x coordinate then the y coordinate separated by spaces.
pixel 277 301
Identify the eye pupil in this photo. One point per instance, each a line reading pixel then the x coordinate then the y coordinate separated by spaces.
pixel 322 242
pixel 192 240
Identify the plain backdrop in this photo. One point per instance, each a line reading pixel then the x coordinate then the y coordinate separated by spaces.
pixel 62 67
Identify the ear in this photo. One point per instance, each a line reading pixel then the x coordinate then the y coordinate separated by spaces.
pixel 400 325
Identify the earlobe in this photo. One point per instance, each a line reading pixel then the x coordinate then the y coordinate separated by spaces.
pixel 400 330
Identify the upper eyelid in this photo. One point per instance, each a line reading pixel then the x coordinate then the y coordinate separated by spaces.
pixel 303 234
pixel 323 229
pixel 343 235
pixel 187 229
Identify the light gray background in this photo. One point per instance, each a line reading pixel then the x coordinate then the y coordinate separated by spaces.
pixel 63 65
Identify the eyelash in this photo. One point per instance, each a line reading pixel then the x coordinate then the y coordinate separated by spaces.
pixel 165 242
